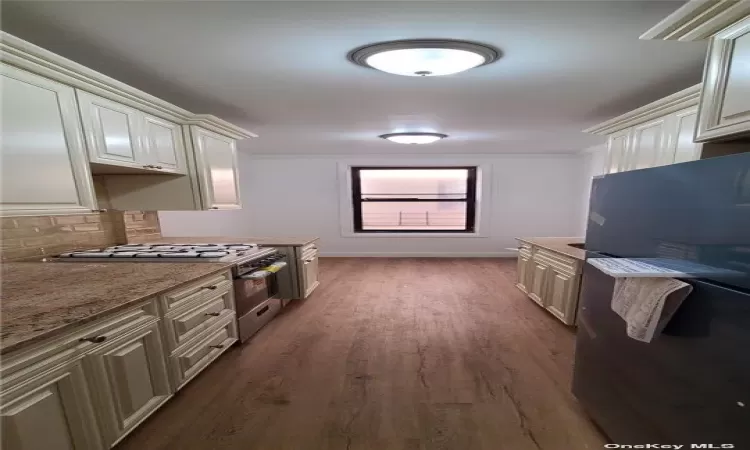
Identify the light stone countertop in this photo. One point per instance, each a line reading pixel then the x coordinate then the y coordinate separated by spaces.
pixel 42 299
pixel 559 244
pixel 279 241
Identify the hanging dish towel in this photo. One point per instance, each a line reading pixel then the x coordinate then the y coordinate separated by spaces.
pixel 647 304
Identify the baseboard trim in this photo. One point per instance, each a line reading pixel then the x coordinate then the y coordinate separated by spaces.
pixel 419 254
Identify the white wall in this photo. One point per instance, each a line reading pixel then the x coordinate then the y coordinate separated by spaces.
pixel 532 195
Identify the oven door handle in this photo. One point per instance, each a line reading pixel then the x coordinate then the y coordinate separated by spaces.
pixel 264 272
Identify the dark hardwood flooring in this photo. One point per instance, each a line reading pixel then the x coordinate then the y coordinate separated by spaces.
pixel 389 354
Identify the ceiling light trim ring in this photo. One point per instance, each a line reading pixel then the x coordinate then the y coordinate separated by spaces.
pixel 359 55
pixel 388 136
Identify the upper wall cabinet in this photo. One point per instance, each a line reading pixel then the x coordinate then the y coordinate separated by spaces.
pixel 725 103
pixel 657 134
pixel 725 99
pixel 216 157
pixel 119 135
pixel 63 122
pixel 44 164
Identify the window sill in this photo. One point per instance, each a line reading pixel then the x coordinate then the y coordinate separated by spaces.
pixel 414 235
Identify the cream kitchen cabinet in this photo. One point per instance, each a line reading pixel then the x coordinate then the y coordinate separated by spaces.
pixel 725 96
pixel 617 151
pixel 562 294
pixel 648 144
pixel 538 281
pixel 86 388
pixel 164 145
pixel 725 99
pixel 129 379
pixel 44 164
pixel 52 410
pixel 550 278
pixel 119 135
pixel 655 135
pixel 523 268
pixel 680 144
pixel 63 122
pixel 216 158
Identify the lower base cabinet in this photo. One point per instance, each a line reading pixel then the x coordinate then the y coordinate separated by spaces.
pixel 51 411
pixel 88 388
pixel 130 380
pixel 550 279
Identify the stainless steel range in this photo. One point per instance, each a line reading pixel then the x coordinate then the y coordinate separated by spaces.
pixel 259 273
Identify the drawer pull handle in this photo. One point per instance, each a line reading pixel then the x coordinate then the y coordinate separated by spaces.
pixel 214 314
pixel 159 167
pixel 94 339
pixel 216 346
pixel 262 311
pixel 210 287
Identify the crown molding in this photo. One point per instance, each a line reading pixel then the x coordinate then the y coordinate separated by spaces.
pixel 698 20
pixel 219 125
pixel 25 55
pixel 675 102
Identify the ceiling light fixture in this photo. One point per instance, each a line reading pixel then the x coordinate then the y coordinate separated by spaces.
pixel 424 57
pixel 413 138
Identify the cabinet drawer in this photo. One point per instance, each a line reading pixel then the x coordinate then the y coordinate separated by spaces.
pixel 309 247
pixel 80 341
pixel 558 261
pixel 203 350
pixel 203 289
pixel 524 246
pixel 186 323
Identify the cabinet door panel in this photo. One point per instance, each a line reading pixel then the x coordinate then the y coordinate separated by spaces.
pixel 617 152
pixel 539 283
pixel 561 296
pixel 737 93
pixel 684 148
pixel 45 169
pixel 130 378
pixel 112 131
pixel 310 268
pixel 725 94
pixel 54 412
pixel 522 272
pixel 648 145
pixel 164 145
pixel 217 167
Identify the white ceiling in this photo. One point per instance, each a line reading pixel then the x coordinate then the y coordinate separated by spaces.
pixel 279 68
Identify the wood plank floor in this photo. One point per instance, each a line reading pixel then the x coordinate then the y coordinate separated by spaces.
pixel 389 354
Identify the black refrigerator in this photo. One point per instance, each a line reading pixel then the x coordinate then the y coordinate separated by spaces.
pixel 691 383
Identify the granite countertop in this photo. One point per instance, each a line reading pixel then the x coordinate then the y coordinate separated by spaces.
pixel 560 245
pixel 41 299
pixel 280 241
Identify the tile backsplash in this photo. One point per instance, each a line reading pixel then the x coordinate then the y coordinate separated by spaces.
pixel 33 237
pixel 141 226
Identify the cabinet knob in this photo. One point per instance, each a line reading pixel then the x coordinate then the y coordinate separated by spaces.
pixel 216 346
pixel 94 339
pixel 213 314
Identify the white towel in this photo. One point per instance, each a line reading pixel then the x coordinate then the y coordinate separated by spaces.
pixel 642 302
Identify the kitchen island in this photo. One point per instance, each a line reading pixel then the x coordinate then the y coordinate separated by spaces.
pixel 549 272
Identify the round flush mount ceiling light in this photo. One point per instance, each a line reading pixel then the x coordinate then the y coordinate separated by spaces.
pixel 413 138
pixel 424 57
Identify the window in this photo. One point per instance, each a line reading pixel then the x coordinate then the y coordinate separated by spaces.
pixel 414 199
